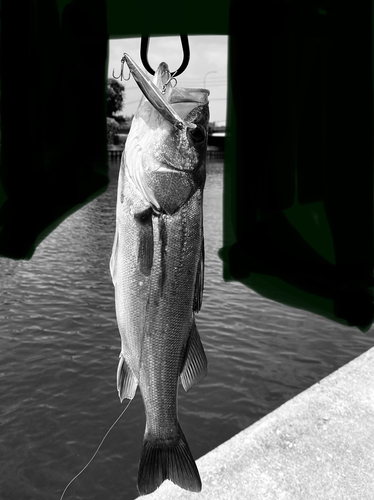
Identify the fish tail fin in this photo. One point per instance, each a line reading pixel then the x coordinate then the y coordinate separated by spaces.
pixel 165 459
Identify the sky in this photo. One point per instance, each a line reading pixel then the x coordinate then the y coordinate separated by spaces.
pixel 207 54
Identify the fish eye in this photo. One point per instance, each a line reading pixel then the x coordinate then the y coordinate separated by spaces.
pixel 197 134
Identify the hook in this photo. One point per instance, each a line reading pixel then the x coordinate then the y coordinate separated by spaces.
pixel 186 55
pixel 172 77
pixel 121 74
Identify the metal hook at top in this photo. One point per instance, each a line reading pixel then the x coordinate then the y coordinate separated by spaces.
pixel 186 55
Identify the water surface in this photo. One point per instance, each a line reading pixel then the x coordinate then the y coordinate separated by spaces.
pixel 59 353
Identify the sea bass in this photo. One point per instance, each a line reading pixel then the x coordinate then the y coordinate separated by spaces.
pixel 157 268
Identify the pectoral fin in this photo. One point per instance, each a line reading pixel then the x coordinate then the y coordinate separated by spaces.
pixel 195 366
pixel 126 382
pixel 199 285
pixel 145 248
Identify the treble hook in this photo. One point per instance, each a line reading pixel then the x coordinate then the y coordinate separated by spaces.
pixel 121 74
pixel 163 91
pixel 186 55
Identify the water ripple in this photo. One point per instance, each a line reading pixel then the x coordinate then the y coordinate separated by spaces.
pixel 59 353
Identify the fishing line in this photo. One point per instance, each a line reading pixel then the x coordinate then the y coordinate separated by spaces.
pixel 93 456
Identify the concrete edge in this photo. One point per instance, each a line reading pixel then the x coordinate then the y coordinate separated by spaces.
pixel 318 445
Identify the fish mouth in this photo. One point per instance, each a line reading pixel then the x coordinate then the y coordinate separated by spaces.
pixel 167 168
pixel 154 94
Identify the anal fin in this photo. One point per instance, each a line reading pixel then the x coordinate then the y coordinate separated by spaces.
pixel 126 382
pixel 196 365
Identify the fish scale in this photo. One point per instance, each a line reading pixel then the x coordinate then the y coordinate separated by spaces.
pixel 157 271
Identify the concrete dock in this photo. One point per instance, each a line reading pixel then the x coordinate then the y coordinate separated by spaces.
pixel 319 445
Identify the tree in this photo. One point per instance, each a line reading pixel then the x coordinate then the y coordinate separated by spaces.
pixel 128 120
pixel 112 129
pixel 115 97
pixel 120 119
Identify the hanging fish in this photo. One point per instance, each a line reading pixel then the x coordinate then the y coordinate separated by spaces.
pixel 157 268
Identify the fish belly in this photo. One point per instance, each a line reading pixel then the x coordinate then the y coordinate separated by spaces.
pixel 131 285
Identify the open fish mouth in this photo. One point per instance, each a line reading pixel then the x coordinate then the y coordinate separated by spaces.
pixel 155 96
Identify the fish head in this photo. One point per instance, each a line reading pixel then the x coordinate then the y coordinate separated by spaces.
pixel 166 147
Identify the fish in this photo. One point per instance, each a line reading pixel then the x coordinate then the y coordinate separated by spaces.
pixel 157 268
